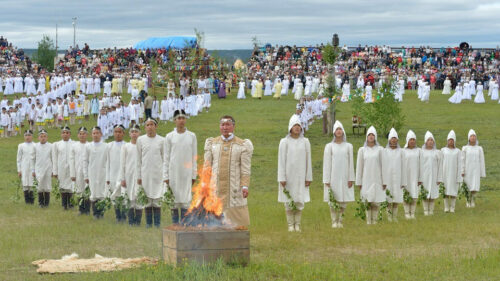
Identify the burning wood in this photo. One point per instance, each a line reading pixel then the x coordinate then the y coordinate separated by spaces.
pixel 206 208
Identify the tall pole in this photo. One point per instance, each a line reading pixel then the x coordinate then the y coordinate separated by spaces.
pixel 74 32
pixel 56 38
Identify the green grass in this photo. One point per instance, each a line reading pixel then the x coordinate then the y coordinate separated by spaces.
pixel 461 246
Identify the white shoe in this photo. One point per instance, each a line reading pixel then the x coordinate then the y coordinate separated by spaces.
pixel 334 225
pixel 407 216
pixel 297 227
pixel 426 213
pixel 291 228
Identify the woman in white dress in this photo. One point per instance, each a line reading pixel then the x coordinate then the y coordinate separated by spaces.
pixel 346 91
pixel 412 166
pixel 338 174
pixel 294 172
pixel 241 90
pixel 254 87
pixel 473 166
pixel 286 85
pixel 494 90
pixel 268 90
pixel 457 96
pixel 393 174
pixel 299 91
pixel 446 86
pixel 369 175
pixel 452 172
pixel 479 94
pixel 430 172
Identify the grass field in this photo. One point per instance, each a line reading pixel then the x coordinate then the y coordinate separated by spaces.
pixel 460 246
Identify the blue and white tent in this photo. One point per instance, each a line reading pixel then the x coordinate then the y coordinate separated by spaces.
pixel 176 42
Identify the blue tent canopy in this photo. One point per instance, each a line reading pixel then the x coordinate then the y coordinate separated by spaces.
pixel 176 42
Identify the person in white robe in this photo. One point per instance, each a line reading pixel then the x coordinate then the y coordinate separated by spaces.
pixel 128 163
pixel 241 90
pixel 113 169
pixel 338 174
pixel 346 92
pixel 452 172
pixel 294 172
pixel 412 166
pixel 42 159
pixel 473 166
pixel 25 166
pixel 494 90
pixel 268 87
pixel 76 156
pixel 164 109
pixel 369 175
pixel 94 170
pixel 479 94
pixel 393 174
pixel 286 86
pixel 299 90
pixel 457 96
pixel 179 166
pixel 446 86
pixel 107 87
pixel 150 153
pixel 368 93
pixel 60 156
pixel 430 172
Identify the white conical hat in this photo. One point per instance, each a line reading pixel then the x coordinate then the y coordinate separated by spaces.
pixel 428 135
pixel 471 132
pixel 410 135
pixel 373 131
pixel 294 120
pixel 335 127
pixel 452 135
pixel 392 134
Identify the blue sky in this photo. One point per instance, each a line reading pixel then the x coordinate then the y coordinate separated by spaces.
pixel 232 24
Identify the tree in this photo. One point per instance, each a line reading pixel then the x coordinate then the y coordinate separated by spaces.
pixel 384 113
pixel 330 54
pixel 45 53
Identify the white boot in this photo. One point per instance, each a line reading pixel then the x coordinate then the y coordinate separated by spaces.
pixel 446 205
pixel 297 218
pixel 407 208
pixel 333 214
pixel 394 213
pixel 413 208
pixel 431 207
pixel 473 200
pixel 425 203
pixel 368 215
pixel 290 221
pixel 453 200
pixel 341 215
pixel 389 212
pixel 375 210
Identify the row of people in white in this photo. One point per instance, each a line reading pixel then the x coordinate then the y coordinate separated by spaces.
pixel 378 169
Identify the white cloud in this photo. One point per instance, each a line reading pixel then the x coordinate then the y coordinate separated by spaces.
pixel 232 24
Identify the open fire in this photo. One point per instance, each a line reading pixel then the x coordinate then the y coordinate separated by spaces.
pixel 206 208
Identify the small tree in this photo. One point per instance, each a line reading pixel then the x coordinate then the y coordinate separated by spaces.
pixel 330 54
pixel 384 113
pixel 45 53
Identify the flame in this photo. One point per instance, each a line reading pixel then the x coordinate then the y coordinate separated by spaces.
pixel 205 194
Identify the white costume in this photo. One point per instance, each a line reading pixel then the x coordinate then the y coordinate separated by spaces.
pixel 338 171
pixel 43 166
pixel 179 166
pixel 60 156
pixel 412 166
pixel 25 163
pixel 473 165
pixel 76 156
pixel 452 173
pixel 94 169
pixel 294 168
pixel 430 173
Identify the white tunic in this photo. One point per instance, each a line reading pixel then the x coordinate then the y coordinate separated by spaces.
pixel 431 171
pixel 113 167
pixel 412 166
pixel 60 157
pixel 179 166
pixel 294 167
pixel 128 162
pixel 76 157
pixel 473 164
pixel 94 169
pixel 43 166
pixel 338 171
pixel 369 173
pixel 25 163
pixel 150 164
pixel 452 170
pixel 394 173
